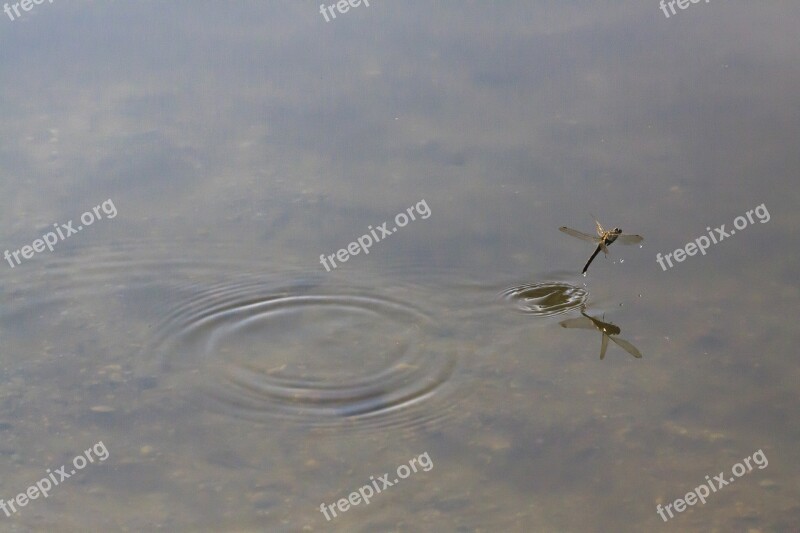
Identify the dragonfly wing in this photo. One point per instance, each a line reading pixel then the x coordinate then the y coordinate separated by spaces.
pixel 597 225
pixel 628 347
pixel 580 323
pixel 579 234
pixel 629 239
pixel 604 347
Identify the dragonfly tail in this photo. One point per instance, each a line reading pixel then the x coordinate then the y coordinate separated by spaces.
pixel 589 262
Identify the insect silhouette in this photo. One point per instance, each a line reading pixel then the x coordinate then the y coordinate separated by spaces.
pixel 609 331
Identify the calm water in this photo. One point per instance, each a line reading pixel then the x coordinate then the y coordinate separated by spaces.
pixel 238 384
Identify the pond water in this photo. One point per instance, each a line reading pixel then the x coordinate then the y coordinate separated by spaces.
pixel 277 266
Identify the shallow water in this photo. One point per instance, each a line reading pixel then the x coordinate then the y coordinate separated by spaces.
pixel 238 384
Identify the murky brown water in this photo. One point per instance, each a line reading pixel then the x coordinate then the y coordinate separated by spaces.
pixel 238 383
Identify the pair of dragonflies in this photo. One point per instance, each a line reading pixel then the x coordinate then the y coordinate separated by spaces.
pixel 603 239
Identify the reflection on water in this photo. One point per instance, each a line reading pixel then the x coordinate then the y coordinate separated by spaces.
pixel 545 299
pixel 606 329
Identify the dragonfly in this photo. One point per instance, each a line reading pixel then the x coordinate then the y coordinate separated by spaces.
pixel 608 330
pixel 603 239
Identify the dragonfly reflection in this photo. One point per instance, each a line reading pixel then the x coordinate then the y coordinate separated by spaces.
pixel 608 330
pixel 603 239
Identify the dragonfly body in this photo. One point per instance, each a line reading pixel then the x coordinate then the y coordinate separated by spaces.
pixel 603 240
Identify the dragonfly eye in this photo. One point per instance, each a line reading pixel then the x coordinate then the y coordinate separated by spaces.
pixel 617 230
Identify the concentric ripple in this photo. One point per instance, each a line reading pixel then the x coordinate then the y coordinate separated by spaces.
pixel 307 354
pixel 546 298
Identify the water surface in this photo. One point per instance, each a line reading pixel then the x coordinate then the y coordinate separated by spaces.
pixel 238 385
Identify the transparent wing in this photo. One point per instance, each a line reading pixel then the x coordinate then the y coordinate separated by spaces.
pixel 579 234
pixel 599 227
pixel 580 323
pixel 604 346
pixel 628 347
pixel 629 239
